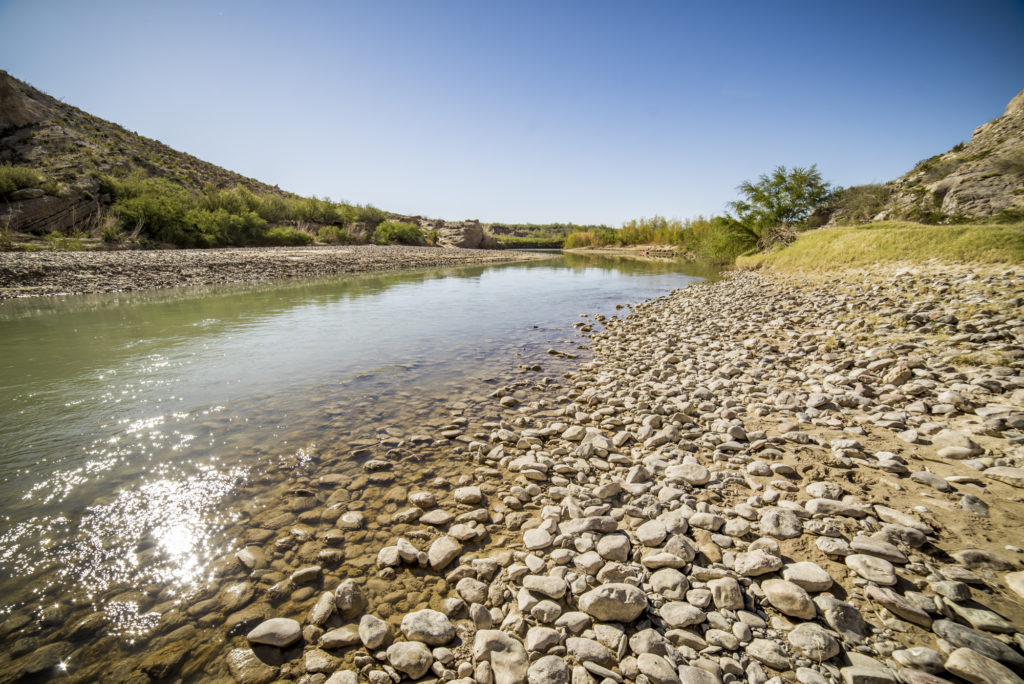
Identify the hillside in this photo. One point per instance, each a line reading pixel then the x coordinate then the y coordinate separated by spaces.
pixel 68 145
pixel 65 172
pixel 980 180
pixel 983 177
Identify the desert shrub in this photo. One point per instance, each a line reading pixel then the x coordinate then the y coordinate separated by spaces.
pixel 715 240
pixel 283 236
pixel 858 203
pixel 221 227
pixel 14 178
pixel 335 235
pixel 111 232
pixel 390 232
pixel 433 237
pixel 315 210
pixel 158 209
pixel 59 242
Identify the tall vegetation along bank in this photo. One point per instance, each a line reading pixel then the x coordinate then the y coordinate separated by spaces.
pixel 165 212
pixel 709 239
pixel 770 212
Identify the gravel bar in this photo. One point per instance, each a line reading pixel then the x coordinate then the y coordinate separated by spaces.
pixel 24 274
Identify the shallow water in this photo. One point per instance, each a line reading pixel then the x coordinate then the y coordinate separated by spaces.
pixel 140 431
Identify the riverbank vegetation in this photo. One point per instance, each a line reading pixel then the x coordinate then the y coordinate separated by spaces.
pixel 777 222
pixel 160 210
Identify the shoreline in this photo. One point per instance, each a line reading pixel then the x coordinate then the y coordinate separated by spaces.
pixel 769 477
pixel 51 273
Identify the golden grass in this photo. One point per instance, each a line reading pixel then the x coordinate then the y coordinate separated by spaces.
pixel 892 242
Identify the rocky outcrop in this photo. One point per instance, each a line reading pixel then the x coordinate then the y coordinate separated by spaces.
pixel 468 234
pixel 43 213
pixel 981 178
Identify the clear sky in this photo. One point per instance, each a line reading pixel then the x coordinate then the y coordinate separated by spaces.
pixel 531 111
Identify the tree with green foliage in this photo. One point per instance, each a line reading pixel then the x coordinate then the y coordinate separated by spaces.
pixel 783 197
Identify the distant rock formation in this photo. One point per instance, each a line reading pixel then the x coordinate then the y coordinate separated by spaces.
pixel 981 178
pixel 468 234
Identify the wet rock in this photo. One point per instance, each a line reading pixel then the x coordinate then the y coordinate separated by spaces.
pixel 246 668
pixel 373 631
pixel 468 495
pixel 280 632
pixel 442 552
pixel 349 598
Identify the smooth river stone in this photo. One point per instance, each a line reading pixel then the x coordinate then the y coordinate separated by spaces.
pixel 780 523
pixel 429 626
pixel 813 641
pixel 410 657
pixel 614 602
pixel 977 669
pixel 536 539
pixel 443 551
pixel 872 568
pixel 789 598
pixel 1015 580
pixel 808 575
pixel 280 632
pixel 756 562
pixel 898 605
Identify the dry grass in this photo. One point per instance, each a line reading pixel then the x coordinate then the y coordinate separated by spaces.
pixel 893 242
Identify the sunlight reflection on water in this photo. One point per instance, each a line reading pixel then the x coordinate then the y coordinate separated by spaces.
pixel 129 448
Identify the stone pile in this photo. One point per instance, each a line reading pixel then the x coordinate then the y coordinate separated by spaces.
pixel 764 479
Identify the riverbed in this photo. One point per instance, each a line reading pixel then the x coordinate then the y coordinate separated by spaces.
pixel 144 433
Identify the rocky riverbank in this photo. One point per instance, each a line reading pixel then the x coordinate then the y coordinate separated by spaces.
pixel 769 478
pixel 25 274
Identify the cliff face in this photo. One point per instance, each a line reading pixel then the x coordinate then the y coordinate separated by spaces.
pixel 981 178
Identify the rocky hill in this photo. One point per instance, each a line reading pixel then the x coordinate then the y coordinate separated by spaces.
pixel 983 177
pixel 68 152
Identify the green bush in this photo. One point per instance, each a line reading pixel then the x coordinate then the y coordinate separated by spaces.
pixel 158 209
pixel 218 228
pixel 110 232
pixel 333 235
pixel 14 178
pixel 364 214
pixel 390 232
pixel 283 236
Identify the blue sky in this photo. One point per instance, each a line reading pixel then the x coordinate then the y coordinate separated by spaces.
pixel 531 111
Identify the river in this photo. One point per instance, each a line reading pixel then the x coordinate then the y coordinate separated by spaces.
pixel 140 432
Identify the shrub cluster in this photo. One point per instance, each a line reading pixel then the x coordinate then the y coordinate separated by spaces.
pixel 162 210
pixel 391 232
pixel 17 177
